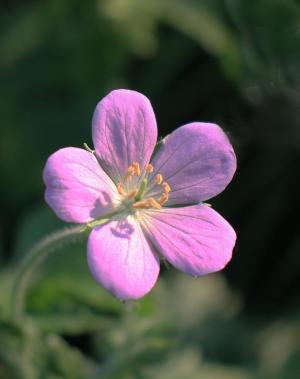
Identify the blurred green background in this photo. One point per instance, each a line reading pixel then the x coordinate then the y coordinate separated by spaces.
pixel 233 62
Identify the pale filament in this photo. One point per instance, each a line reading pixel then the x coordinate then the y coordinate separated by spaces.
pixel 121 190
pixel 151 202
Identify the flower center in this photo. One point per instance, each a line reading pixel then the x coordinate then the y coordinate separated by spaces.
pixel 135 196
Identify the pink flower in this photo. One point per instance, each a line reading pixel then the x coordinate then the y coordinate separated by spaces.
pixel 150 209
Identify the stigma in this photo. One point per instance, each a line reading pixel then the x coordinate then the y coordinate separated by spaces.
pixel 136 196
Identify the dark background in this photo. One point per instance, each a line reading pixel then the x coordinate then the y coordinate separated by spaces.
pixel 232 62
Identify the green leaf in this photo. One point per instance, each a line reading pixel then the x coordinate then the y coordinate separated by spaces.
pixel 27 354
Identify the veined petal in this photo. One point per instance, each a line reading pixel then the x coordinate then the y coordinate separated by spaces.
pixel 198 162
pixel 121 259
pixel 194 239
pixel 77 189
pixel 124 131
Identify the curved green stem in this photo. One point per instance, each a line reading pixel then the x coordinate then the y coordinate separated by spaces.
pixel 33 258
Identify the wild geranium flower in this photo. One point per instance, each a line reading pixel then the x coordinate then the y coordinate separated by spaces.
pixel 141 208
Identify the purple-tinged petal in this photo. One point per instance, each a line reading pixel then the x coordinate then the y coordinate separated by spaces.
pixel 194 239
pixel 198 162
pixel 124 131
pixel 121 259
pixel 77 189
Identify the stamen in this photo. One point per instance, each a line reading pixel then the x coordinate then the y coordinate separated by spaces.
pixel 136 195
pixel 141 204
pixel 129 173
pixel 132 194
pixel 166 187
pixel 158 179
pixel 148 203
pixel 149 168
pixel 163 199
pixel 154 203
pixel 120 189
pixel 137 169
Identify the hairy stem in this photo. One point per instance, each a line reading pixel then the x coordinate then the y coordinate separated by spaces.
pixel 37 254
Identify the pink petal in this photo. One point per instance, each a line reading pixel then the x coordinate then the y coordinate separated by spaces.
pixel 124 131
pixel 78 190
pixel 198 162
pixel 121 259
pixel 194 239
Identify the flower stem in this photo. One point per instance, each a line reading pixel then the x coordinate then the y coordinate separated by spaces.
pixel 37 254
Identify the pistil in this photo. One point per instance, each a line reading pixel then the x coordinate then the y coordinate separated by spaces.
pixel 132 194
pixel 141 190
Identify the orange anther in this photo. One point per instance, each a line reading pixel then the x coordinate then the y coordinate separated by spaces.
pixel 149 168
pixel 137 169
pixel 158 179
pixel 120 189
pixel 129 173
pixel 166 187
